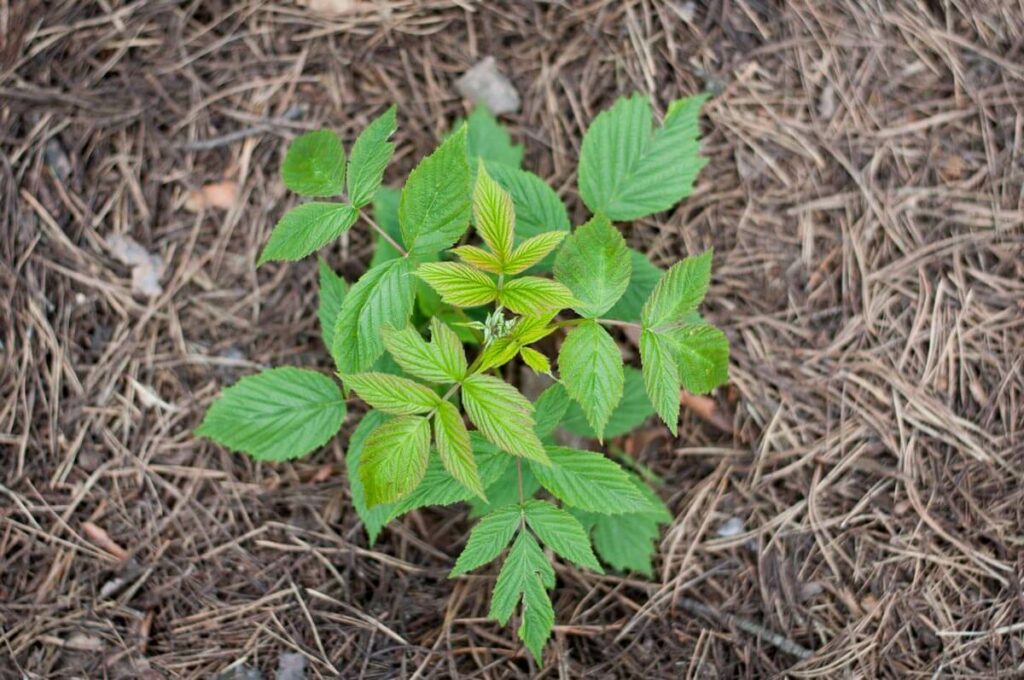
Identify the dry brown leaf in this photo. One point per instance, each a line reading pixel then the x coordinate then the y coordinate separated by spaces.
pixel 101 538
pixel 221 195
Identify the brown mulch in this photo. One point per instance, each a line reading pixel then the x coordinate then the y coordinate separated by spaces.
pixel 861 516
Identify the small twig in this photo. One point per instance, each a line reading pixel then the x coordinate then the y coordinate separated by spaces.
pixel 758 631
pixel 238 135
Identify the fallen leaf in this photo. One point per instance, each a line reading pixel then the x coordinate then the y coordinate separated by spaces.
pixel 706 408
pixel 101 538
pixel 485 84
pixel 222 195
pixel 146 268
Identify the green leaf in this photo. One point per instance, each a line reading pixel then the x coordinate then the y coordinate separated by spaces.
pixel 532 295
pixel 595 265
pixel 533 250
pixel 535 360
pixel 549 409
pixel 538 208
pixel 314 164
pixel 627 542
pixel 489 140
pixel 644 278
pixel 442 360
pixel 524 560
pixel 394 458
pixel 703 353
pixel 332 294
pixel 589 481
pixel 373 519
pixel 454 448
pixel 435 208
pixel 503 415
pixel 628 171
pixel 591 367
pixel 306 229
pixel 632 411
pixel 385 213
pixel 561 532
pixel 392 394
pixel 382 296
pixel 370 155
pixel 493 214
pixel 276 415
pixel 661 376
pixel 679 291
pixel 458 284
pixel 488 538
pixel 440 488
pixel 526 574
pixel 479 258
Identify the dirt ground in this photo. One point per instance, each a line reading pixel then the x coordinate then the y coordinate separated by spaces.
pixel 853 508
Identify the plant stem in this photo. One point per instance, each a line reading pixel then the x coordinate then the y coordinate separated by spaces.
pixel 384 235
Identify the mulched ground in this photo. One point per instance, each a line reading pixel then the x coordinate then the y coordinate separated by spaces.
pixel 861 496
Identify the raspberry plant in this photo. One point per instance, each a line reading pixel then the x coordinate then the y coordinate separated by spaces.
pixel 490 291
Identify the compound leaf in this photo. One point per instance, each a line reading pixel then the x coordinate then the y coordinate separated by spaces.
pixel 434 209
pixel 591 367
pixel 595 265
pixel 561 532
pixel 276 415
pixel 307 228
pixel 442 360
pixel 370 155
pixel 458 284
pixel 314 164
pixel 394 458
pixel 526 574
pixel 488 538
pixel 503 415
pixel 384 295
pixel 679 291
pixel 523 561
pixel 454 448
pixel 392 394
pixel 588 481
pixel 628 171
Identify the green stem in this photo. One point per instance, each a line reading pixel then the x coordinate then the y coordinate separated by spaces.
pixel 384 235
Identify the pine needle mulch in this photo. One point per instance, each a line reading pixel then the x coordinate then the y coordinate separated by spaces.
pixel 851 505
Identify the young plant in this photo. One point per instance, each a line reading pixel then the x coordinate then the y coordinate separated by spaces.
pixel 489 291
